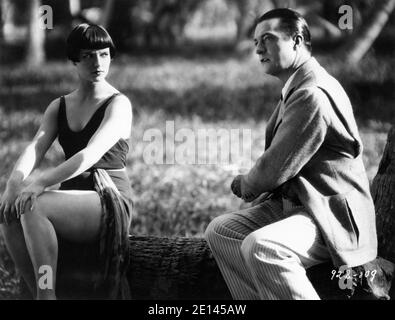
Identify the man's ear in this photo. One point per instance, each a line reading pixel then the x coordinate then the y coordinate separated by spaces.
pixel 298 41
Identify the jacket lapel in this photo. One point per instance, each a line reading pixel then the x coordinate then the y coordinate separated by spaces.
pixel 271 125
pixel 300 75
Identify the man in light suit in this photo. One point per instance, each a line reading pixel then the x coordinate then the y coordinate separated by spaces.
pixel 318 206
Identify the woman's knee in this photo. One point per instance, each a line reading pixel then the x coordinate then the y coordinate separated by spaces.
pixel 33 211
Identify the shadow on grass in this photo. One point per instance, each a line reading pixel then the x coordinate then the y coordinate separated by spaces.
pixel 371 101
pixel 208 102
pixel 55 50
pixel 372 98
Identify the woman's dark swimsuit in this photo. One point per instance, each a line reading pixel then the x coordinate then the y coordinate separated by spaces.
pixel 117 208
pixel 72 142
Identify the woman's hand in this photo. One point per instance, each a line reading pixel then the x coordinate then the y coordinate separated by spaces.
pixel 29 193
pixel 7 201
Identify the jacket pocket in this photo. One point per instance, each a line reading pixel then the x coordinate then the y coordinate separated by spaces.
pixel 343 229
pixel 363 216
pixel 351 215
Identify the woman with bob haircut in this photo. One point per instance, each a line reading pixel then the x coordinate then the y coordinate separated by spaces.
pixel 93 204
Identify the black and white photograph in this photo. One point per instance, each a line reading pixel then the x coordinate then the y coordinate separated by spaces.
pixel 197 154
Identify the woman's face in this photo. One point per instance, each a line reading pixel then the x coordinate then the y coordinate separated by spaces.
pixel 94 64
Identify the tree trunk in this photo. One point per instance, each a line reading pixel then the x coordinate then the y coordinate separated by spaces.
pixel 62 16
pixel 2 20
pixel 107 12
pixel 359 44
pixel 383 192
pixel 75 7
pixel 119 25
pixel 184 268
pixel 35 51
pixel 7 17
pixel 245 18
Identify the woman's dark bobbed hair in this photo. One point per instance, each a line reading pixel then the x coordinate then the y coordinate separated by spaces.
pixel 88 36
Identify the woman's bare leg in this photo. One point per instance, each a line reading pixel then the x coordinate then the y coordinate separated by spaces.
pixel 42 244
pixel 75 215
pixel 16 246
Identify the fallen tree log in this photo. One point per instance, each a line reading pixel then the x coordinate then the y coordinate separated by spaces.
pixel 184 268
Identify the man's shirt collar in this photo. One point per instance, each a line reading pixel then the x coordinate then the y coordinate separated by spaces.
pixel 287 84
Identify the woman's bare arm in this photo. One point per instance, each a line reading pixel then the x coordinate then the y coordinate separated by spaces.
pixel 30 158
pixel 35 151
pixel 115 125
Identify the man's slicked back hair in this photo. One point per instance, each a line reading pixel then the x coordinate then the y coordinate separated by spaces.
pixel 291 22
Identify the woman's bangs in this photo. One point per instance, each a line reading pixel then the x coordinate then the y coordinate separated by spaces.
pixel 95 38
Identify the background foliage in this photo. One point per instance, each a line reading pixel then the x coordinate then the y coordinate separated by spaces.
pixel 204 79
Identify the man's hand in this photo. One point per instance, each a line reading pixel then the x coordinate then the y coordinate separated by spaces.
pixel 236 186
pixel 240 189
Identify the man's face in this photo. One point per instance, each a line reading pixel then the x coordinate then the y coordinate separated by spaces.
pixel 276 50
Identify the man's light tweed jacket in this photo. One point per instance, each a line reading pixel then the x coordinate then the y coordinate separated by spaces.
pixel 314 154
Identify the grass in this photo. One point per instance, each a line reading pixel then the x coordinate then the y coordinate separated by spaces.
pixel 196 93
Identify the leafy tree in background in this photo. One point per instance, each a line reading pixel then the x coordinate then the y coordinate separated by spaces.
pixel 162 23
pixel 248 11
pixel 9 15
pixel 369 19
pixel 367 33
pixel 150 23
pixel 35 52
pixel 61 12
